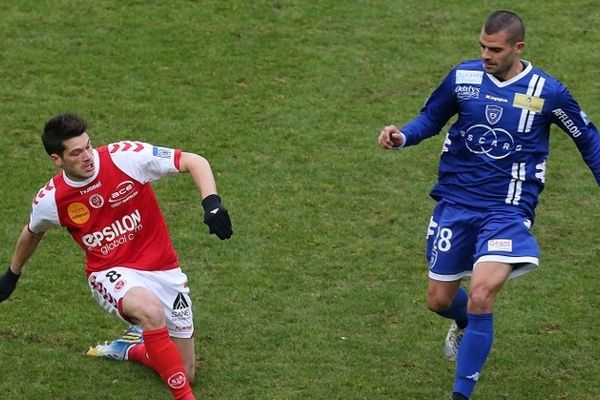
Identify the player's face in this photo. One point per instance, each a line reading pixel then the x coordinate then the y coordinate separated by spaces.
pixel 78 159
pixel 500 58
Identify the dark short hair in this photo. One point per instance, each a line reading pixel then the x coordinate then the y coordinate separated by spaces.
pixel 504 20
pixel 60 128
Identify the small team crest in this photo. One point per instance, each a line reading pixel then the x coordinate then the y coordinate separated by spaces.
pixel 433 258
pixel 119 285
pixel 493 113
pixel 96 201
pixel 177 380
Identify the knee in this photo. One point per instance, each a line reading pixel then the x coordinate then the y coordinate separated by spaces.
pixel 481 301
pixel 440 295
pixel 144 308
pixel 438 304
pixel 152 315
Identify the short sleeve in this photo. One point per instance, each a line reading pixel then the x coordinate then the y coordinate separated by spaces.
pixel 44 214
pixel 143 161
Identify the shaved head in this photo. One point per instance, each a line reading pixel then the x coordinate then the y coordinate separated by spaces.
pixel 503 20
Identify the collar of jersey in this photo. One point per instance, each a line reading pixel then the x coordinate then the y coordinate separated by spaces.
pixel 525 71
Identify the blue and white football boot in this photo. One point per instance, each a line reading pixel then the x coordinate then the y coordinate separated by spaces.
pixel 118 348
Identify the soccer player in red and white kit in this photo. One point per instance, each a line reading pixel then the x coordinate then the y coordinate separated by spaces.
pixel 104 199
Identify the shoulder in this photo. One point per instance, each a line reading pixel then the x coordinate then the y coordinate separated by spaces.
pixel 467 72
pixel 143 161
pixel 553 89
pixel 127 149
pixel 539 71
pixel 44 212
pixel 548 78
pixel 126 152
pixel 473 65
pixel 46 193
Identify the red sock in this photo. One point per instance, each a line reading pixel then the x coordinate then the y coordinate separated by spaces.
pixel 137 353
pixel 164 358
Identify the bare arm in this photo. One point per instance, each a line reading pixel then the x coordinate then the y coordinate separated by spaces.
pixel 215 215
pixel 26 245
pixel 201 172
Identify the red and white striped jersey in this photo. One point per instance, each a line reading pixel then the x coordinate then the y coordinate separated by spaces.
pixel 114 215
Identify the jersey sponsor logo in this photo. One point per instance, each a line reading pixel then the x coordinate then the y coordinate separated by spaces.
pixel 124 192
pixel 467 92
pixel 117 233
pixel 469 77
pixel 493 113
pixel 161 152
pixel 531 103
pixel 496 143
pixel 180 302
pixel 567 122
pixel 91 188
pixel 185 328
pixel 79 213
pixel 527 102
pixel 96 200
pixel 181 308
pixel 500 245
pixel 497 99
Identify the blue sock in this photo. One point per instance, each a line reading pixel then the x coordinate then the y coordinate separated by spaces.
pixel 473 352
pixel 458 308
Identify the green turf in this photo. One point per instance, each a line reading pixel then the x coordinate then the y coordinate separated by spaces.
pixel 321 292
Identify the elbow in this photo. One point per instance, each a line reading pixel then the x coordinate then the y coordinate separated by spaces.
pixel 191 161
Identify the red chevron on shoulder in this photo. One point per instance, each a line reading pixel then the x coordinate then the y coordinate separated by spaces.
pixel 126 146
pixel 40 195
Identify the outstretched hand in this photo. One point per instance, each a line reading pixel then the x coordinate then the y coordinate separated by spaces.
pixel 8 283
pixel 390 137
pixel 217 217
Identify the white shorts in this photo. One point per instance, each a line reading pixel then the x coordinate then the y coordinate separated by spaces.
pixel 171 287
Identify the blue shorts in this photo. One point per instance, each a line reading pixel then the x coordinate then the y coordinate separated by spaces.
pixel 458 238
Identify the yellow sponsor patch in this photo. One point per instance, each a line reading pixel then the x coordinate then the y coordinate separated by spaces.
pixel 531 103
pixel 79 213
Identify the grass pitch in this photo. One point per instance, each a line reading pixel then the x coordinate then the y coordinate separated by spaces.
pixel 321 293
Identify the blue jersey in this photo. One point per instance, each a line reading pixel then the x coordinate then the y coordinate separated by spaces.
pixel 494 155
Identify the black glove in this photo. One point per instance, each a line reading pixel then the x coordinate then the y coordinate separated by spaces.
pixel 8 283
pixel 216 217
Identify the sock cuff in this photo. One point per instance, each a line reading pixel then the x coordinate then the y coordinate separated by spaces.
pixel 480 317
pixel 481 322
pixel 155 334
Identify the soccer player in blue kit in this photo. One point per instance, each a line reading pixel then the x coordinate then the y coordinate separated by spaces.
pixel 491 172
